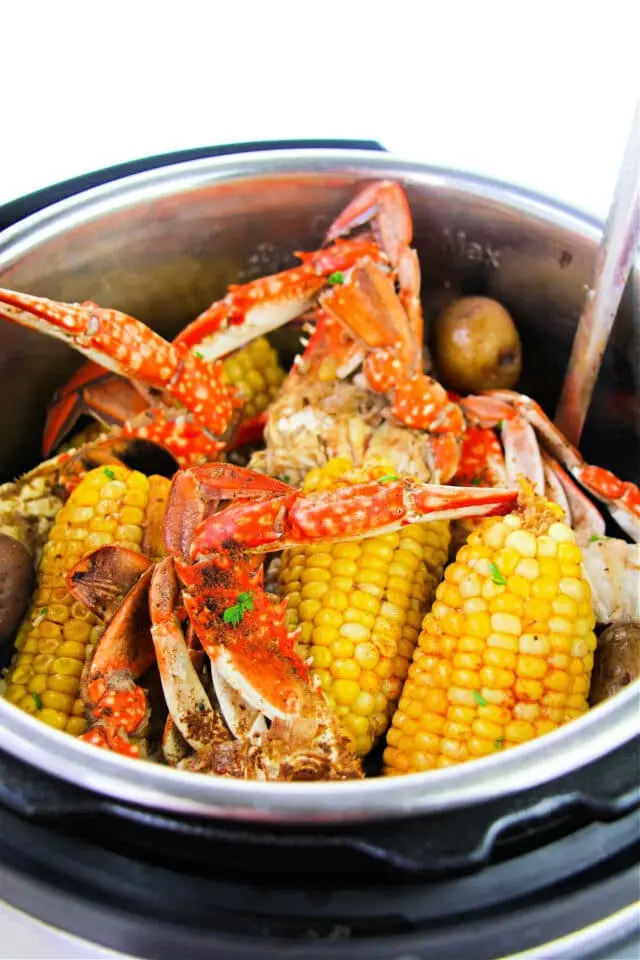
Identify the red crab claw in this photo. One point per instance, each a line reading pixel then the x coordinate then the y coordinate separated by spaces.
pixel 373 313
pixel 346 513
pixel 251 652
pixel 385 207
pixel 195 493
pixel 102 579
pixel 129 348
pixel 116 402
pixel 621 497
pixel 124 652
pixel 95 392
pixel 252 309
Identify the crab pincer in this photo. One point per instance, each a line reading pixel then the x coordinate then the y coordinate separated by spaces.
pixel 127 347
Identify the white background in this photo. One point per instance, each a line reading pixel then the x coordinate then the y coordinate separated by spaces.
pixel 540 94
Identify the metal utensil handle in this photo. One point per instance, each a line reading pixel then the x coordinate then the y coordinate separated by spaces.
pixel 616 254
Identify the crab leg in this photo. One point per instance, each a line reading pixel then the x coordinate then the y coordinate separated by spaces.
pixel 129 348
pixel 481 459
pixel 621 497
pixel 521 449
pixel 255 308
pixel 367 509
pixel 583 515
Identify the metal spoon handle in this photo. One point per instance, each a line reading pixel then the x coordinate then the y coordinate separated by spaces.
pixel 616 254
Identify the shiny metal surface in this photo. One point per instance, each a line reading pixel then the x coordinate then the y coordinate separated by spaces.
pixel 162 245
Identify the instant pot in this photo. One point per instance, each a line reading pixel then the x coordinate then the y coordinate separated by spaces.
pixel 530 854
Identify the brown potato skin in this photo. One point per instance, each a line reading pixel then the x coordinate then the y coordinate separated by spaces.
pixel 477 346
pixel 617 660
pixel 16 584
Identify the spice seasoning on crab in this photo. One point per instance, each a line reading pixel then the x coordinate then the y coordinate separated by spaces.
pixel 506 652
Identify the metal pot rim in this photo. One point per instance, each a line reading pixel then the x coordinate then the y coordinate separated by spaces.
pixel 568 748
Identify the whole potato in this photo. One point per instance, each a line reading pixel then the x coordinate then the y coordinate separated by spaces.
pixel 617 660
pixel 477 346
pixel 16 583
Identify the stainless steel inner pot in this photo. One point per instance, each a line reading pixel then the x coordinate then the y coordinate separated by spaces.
pixel 164 244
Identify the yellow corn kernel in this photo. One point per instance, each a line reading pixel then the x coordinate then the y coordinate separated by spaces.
pixel 523 541
pixel 510 670
pixel 76 726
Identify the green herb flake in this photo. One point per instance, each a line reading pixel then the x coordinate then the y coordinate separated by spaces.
pixel 388 478
pixel 497 745
pixel 336 278
pixel 285 478
pixel 479 699
pixel 476 482
pixel 234 615
pixel 109 474
pixel 500 424
pixel 37 699
pixel 198 354
pixel 39 616
pixel 594 538
pixel 496 575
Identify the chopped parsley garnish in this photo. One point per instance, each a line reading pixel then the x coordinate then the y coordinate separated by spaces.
pixel 388 478
pixel 500 424
pixel 336 278
pixel 496 575
pixel 37 699
pixel 594 538
pixel 39 616
pixel 234 614
pixel 108 472
pixel 285 478
pixel 498 743
pixel 476 482
pixel 479 698
pixel 198 354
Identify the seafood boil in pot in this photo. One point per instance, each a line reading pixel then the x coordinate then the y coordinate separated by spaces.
pixel 368 555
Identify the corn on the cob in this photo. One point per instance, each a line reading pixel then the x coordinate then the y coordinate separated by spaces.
pixel 359 606
pixel 257 374
pixel 58 634
pixel 506 652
